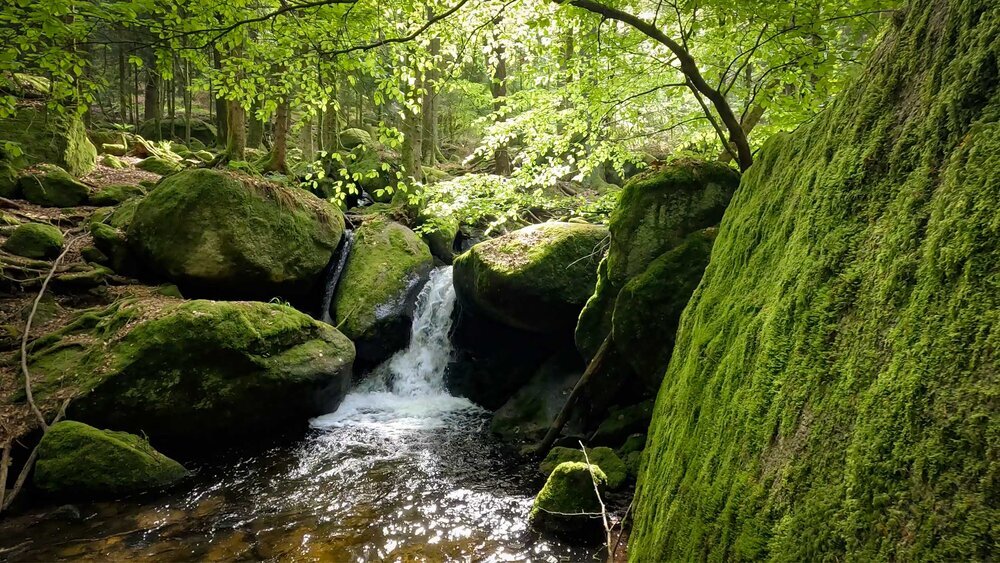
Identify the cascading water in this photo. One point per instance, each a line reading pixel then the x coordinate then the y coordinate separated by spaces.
pixel 333 273
pixel 408 389
pixel 401 471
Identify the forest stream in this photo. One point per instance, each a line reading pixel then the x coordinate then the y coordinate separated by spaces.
pixel 401 469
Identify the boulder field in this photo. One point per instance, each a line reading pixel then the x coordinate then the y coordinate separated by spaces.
pixel 832 393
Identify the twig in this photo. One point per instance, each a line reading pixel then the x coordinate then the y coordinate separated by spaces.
pixel 597 491
pixel 23 476
pixel 9 203
pixel 563 416
pixel 27 331
pixel 4 465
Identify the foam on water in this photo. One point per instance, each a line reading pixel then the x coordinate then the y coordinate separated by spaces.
pixel 408 391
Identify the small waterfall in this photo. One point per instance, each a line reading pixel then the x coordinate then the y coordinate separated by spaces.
pixel 408 389
pixel 333 272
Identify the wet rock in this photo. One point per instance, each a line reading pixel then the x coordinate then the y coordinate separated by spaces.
pixel 79 460
pixel 377 292
pixel 527 415
pixel 216 234
pixel 35 240
pixel 535 279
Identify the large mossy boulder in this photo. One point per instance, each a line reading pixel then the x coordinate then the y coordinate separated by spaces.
pixel 219 234
pixel 354 137
pixel 833 390
pixel 568 505
pixel 661 240
pixel 536 278
pixel 377 292
pixel 175 129
pixel 48 137
pixel 51 186
pixel 35 240
pixel 78 460
pixel 195 373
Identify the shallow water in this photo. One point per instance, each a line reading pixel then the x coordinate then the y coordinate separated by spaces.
pixel 402 471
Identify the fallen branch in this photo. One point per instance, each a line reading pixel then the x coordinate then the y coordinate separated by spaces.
pixel 593 367
pixel 597 491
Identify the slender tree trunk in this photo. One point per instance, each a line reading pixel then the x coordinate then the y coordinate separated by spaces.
pixel 122 85
pixel 221 107
pixel 236 132
pixel 255 135
pixel 498 87
pixel 279 151
pixel 431 143
pixel 151 100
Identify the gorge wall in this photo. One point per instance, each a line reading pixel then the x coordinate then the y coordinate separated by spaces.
pixel 832 390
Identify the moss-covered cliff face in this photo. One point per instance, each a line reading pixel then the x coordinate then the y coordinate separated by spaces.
pixel 832 391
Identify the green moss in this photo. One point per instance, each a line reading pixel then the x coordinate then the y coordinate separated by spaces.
pixel 536 278
pixel 161 166
pixel 9 187
pixel 35 240
pixel 51 186
pixel 115 194
pixel 178 370
pixel 832 394
pixel 110 159
pixel 354 137
pixel 568 503
pixel 623 422
pixel 218 234
pixel 80 460
pixel 380 282
pixel 649 306
pixel 48 137
pixel 605 458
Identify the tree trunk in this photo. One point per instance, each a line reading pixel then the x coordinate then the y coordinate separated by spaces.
pixel 431 143
pixel 151 100
pixel 221 119
pixel 279 151
pixel 498 87
pixel 236 133
pixel 255 133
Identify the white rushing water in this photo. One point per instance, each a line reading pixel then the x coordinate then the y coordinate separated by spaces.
pixel 407 391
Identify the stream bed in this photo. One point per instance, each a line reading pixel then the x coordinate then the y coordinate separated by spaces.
pixel 401 471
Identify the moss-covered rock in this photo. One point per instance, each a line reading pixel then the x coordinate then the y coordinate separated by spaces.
pixel 112 161
pixel 159 165
pixel 199 371
pixel 605 458
pixel 113 150
pixel 35 240
pixel 439 233
pixel 115 194
pixel 48 137
pixel 568 504
pixel 23 85
pixel 81 461
pixel 377 291
pixel 536 278
pixel 51 186
pixel 174 129
pixel 527 415
pixel 631 453
pixel 110 242
pixel 219 234
pixel 833 389
pixel 622 423
pixel 657 211
pixel 354 137
pixel 9 187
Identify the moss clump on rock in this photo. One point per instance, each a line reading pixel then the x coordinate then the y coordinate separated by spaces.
pixel 832 394
pixel 159 165
pixel 49 137
pixel 81 461
pixel 377 291
pixel 198 370
pixel 568 503
pixel 35 240
pixel 51 186
pixel 536 278
pixel 605 458
pixel 354 137
pixel 115 194
pixel 217 234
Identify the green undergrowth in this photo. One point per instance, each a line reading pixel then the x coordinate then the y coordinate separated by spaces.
pixel 833 390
